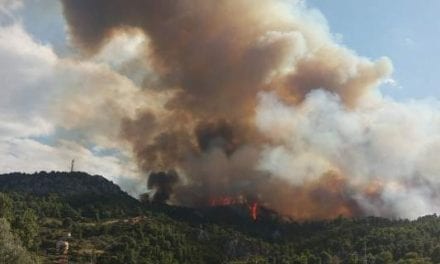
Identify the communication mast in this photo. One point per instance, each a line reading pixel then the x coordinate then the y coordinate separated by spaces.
pixel 72 165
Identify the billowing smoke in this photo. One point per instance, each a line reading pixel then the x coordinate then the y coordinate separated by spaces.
pixel 257 99
pixel 162 184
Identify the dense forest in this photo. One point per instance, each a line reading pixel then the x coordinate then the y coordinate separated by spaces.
pixel 109 226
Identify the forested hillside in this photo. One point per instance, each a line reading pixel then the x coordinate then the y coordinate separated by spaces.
pixel 108 226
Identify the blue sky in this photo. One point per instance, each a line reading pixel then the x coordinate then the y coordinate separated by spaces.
pixel 406 31
pixel 44 19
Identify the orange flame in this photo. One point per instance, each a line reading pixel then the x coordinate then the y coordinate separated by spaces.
pixel 225 201
pixel 253 208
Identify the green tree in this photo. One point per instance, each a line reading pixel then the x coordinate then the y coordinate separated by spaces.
pixel 435 256
pixel 68 222
pixel 385 257
pixel 5 207
pixel 11 250
pixel 26 226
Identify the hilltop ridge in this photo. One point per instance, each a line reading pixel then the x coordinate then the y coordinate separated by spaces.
pixel 109 226
pixel 61 183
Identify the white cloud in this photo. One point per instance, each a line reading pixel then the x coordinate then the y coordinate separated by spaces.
pixel 35 84
pixel 25 70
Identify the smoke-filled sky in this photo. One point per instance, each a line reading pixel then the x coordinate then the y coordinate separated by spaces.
pixel 312 109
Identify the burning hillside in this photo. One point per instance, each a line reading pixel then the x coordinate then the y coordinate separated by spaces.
pixel 226 201
pixel 255 98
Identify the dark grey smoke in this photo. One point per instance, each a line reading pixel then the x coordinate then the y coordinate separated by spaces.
pixel 220 134
pixel 162 183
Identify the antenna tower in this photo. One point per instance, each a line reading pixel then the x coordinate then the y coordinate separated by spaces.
pixel 72 165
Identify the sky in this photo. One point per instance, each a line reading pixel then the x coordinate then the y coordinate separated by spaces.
pixel 405 31
pixel 36 59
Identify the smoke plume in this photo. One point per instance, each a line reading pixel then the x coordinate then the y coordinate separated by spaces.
pixel 257 99
pixel 162 184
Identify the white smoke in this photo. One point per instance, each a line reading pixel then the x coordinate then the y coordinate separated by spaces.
pixel 386 150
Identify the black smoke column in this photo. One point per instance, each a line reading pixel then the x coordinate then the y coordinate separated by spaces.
pixel 162 183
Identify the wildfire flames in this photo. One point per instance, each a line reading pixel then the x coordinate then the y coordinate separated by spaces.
pixel 253 209
pixel 227 201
